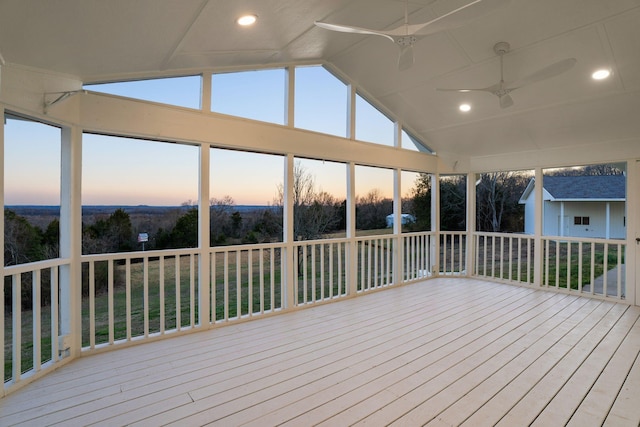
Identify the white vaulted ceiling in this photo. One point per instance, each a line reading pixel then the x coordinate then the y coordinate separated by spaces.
pixel 98 40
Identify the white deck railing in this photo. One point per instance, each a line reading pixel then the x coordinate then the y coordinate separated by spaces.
pixel 592 266
pixel 27 331
pixel 131 297
pixel 504 256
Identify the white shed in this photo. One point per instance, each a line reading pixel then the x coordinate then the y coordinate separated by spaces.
pixel 406 219
pixel 579 206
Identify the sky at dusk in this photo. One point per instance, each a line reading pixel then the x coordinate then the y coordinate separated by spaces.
pixel 126 171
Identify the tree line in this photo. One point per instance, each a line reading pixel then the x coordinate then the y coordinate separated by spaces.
pixel 316 214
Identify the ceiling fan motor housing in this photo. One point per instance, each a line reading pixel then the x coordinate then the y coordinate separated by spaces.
pixel 501 48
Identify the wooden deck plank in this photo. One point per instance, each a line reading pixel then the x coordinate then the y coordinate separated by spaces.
pixel 286 380
pixel 626 410
pixel 602 396
pixel 555 328
pixel 518 386
pixel 567 400
pixel 513 341
pixel 386 365
pixel 432 371
pixel 444 351
pixel 536 399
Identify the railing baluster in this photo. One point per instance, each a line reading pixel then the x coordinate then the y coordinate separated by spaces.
pixel 250 282
pixel 192 290
pixel 145 294
pixel 605 270
pixel 92 306
pixel 341 282
pixel 110 301
pixel 128 297
pixel 238 285
pixel 568 265
pixel 593 269
pixel 557 264
pixel 261 268
pixel 178 291
pixel 313 273
pixel 619 271
pixel 37 319
pixel 580 266
pixel 331 270
pixel 161 293
pixel 322 275
pixel 16 316
pixel 54 317
pixel 272 280
pixel 214 285
pixel 226 285
pixel 305 296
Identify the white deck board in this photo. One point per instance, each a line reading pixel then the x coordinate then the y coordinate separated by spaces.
pixel 441 352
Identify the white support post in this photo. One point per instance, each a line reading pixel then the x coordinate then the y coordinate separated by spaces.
pixel 289 96
pixel 607 216
pixel 2 313
pixel 561 231
pixel 435 224
pixel 351 112
pixel 288 232
pixel 352 250
pixel 204 263
pixel 71 242
pixel 471 224
pixel 205 93
pixel 398 261
pixel 632 254
pixel 537 235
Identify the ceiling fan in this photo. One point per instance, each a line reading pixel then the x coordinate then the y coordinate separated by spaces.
pixel 406 35
pixel 502 89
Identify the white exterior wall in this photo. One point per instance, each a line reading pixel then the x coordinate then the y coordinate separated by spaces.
pixel 596 211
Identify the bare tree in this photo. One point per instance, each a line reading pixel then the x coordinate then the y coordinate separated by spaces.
pixel 497 196
pixel 315 212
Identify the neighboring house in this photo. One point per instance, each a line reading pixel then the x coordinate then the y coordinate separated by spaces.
pixel 406 219
pixel 579 206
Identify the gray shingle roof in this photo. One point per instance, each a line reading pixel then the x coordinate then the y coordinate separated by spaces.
pixel 600 187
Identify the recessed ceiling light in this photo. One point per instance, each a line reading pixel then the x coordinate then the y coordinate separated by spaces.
pixel 247 20
pixel 600 74
pixel 465 107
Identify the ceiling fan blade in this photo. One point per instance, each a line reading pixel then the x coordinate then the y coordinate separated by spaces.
pixel 458 17
pixel 506 101
pixel 352 30
pixel 489 89
pixel 406 58
pixel 547 72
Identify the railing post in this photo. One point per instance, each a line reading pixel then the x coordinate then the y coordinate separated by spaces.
pixel 398 252
pixel 470 253
pixel 537 237
pixel 71 243
pixel 287 233
pixel 204 271
pixel 435 224
pixel 2 314
pixel 352 247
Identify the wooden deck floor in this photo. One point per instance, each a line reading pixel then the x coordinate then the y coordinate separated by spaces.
pixel 443 352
